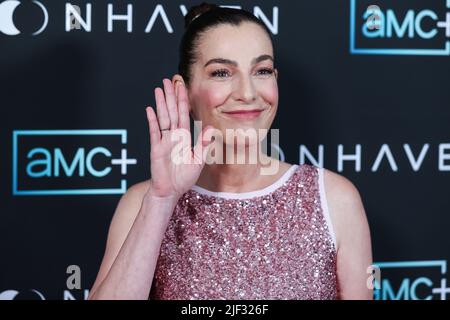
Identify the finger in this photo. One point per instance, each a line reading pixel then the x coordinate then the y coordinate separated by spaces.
pixel 155 134
pixel 161 108
pixel 202 146
pixel 171 103
pixel 183 107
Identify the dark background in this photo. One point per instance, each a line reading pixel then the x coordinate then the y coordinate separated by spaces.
pixel 104 80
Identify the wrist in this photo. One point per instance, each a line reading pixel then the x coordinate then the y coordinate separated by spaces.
pixel 158 209
pixel 152 197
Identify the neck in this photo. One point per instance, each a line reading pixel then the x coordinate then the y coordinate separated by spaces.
pixel 234 177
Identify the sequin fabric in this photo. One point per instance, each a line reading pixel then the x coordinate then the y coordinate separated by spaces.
pixel 273 246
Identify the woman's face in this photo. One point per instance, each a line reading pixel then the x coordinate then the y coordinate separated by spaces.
pixel 234 83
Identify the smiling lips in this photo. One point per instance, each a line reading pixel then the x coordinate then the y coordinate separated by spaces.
pixel 244 114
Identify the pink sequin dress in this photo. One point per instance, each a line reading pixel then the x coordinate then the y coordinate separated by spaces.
pixel 274 243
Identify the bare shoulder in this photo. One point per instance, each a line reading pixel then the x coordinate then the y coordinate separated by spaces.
pixel 131 201
pixel 341 191
pixel 340 188
pixel 126 212
pixel 128 208
pixel 345 205
pixel 138 189
pixel 354 252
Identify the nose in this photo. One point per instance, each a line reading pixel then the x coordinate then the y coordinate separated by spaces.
pixel 245 90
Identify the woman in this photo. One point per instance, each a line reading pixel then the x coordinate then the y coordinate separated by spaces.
pixel 224 230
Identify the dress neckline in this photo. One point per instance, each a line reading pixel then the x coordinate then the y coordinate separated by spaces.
pixel 250 194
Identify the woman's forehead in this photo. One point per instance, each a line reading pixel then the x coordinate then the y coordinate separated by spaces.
pixel 239 43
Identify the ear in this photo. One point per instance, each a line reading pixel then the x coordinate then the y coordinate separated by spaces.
pixel 276 73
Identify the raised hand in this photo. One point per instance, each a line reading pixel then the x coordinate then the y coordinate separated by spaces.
pixel 170 177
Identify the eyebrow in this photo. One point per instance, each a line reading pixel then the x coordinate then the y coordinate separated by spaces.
pixel 235 64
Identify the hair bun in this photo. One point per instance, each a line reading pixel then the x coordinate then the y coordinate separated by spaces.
pixel 196 11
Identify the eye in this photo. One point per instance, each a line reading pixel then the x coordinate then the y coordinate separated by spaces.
pixel 222 73
pixel 265 71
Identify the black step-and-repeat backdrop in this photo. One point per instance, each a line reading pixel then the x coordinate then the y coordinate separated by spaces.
pixel 364 91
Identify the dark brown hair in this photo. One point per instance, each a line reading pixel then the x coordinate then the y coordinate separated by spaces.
pixel 201 18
